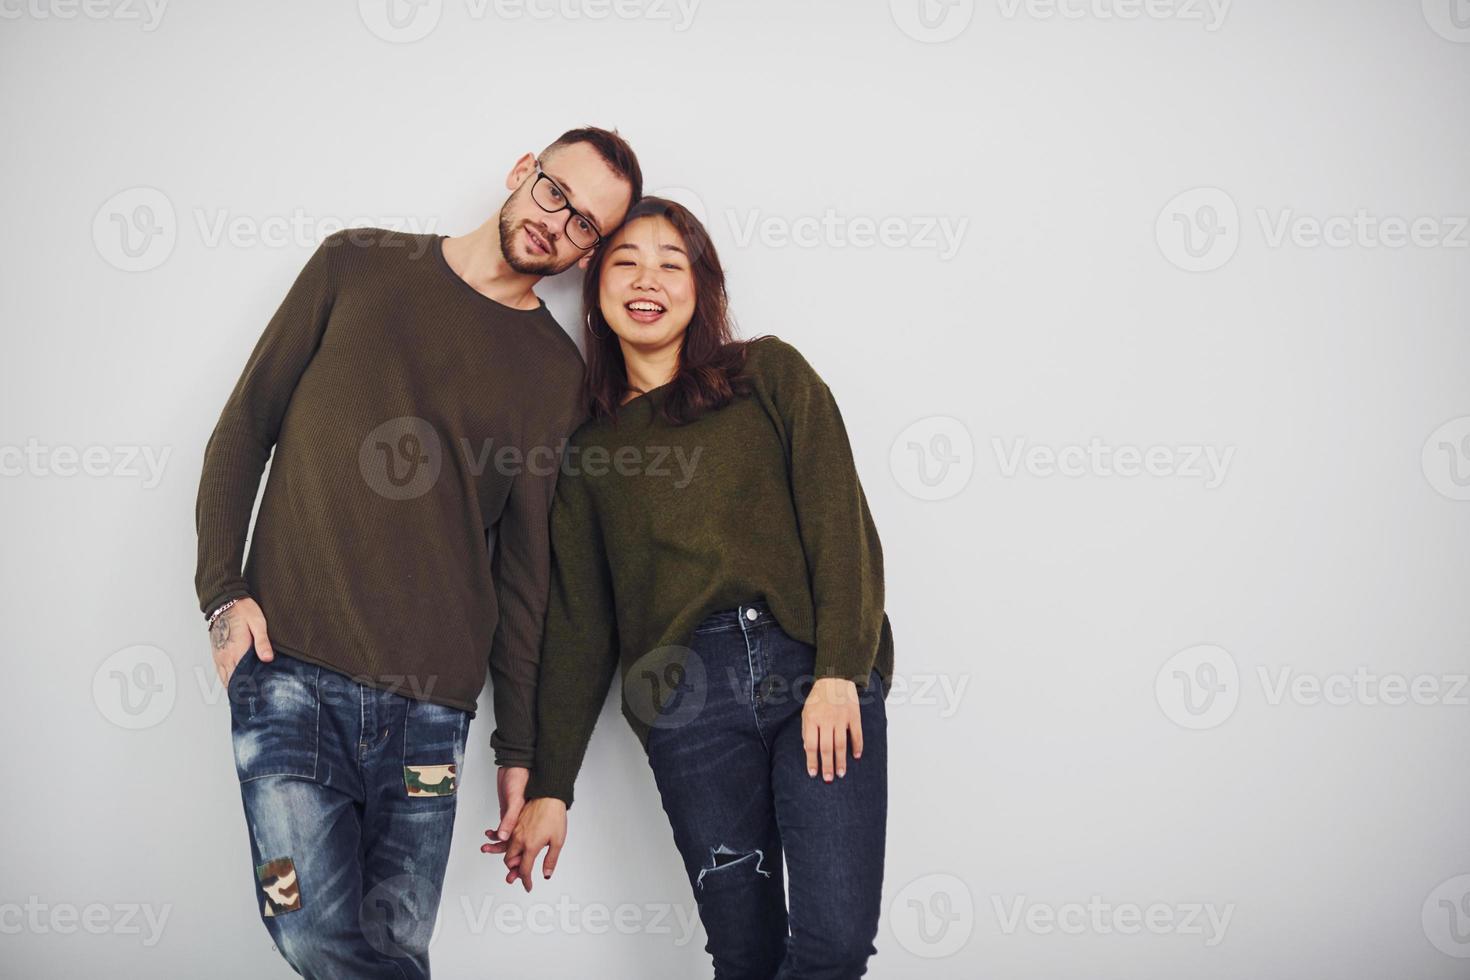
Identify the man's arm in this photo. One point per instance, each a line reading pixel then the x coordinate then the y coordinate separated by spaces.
pixel 521 570
pixel 246 432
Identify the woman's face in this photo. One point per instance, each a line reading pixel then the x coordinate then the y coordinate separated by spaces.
pixel 646 292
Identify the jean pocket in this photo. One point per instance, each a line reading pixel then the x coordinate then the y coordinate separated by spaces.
pixel 274 716
pixel 433 749
pixel 242 667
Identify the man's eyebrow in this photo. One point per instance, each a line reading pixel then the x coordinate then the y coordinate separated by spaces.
pixel 567 190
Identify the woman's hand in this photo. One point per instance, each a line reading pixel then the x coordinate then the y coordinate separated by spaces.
pixel 543 823
pixel 830 714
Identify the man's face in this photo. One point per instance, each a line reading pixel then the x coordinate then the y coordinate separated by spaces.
pixel 533 240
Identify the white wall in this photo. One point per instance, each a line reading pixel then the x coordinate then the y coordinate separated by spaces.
pixel 1042 756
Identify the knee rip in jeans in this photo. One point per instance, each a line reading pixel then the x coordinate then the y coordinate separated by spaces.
pixel 278 881
pixel 723 857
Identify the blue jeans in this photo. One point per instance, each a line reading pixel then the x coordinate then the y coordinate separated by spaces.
pixel 349 795
pixel 727 755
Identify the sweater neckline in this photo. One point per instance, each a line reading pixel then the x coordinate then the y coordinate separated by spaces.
pixel 498 306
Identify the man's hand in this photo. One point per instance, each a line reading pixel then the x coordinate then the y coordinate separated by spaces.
pixel 830 714
pixel 510 785
pixel 543 824
pixel 236 629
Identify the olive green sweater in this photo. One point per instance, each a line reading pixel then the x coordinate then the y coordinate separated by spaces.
pixel 656 526
pixel 405 417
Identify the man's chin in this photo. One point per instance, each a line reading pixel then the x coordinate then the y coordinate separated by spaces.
pixel 536 265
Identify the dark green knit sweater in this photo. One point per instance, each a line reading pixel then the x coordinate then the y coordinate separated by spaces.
pixel 656 526
pixel 404 415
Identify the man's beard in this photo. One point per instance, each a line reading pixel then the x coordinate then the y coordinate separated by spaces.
pixel 529 266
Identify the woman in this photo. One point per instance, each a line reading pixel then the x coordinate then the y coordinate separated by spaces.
pixel 711 539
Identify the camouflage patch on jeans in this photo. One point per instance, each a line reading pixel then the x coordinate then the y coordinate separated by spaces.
pixel 278 881
pixel 429 780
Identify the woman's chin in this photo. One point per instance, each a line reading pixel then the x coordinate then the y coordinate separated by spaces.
pixel 659 333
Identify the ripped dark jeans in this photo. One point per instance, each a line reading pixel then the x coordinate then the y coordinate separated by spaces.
pixel 349 795
pixel 728 758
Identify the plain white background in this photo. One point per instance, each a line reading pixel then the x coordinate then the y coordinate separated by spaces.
pixel 1148 322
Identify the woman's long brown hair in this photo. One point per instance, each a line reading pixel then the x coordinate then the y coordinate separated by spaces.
pixel 710 358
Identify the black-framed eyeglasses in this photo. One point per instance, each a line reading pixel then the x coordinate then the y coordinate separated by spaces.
pixel 549 197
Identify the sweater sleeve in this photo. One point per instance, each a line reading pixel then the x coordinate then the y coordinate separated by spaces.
pixel 243 438
pixel 844 556
pixel 521 570
pixel 579 654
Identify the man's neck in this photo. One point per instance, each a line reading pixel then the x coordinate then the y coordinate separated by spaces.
pixel 477 259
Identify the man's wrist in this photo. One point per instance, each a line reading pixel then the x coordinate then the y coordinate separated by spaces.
pixel 221 611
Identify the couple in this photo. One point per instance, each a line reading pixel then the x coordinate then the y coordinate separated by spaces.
pixel 452 488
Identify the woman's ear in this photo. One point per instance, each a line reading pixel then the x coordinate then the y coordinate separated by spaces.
pixel 584 261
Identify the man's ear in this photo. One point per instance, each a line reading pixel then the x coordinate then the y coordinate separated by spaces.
pixel 523 168
pixel 584 261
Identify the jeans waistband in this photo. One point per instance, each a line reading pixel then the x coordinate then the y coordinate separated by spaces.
pixel 743 616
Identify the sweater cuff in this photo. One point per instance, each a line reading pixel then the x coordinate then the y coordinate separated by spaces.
pixel 544 783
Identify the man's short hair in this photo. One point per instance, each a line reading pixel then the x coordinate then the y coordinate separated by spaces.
pixel 613 149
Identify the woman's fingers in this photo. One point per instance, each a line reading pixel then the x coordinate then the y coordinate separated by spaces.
pixel 553 852
pixel 839 747
pixel 809 742
pixel 855 728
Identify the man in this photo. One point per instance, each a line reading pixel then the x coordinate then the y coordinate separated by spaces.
pixel 416 393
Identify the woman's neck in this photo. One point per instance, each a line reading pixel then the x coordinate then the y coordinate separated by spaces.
pixel 649 369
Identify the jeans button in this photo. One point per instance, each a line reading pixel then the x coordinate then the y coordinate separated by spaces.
pixel 751 615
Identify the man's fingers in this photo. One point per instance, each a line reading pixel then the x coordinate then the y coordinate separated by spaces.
pixel 262 640
pixel 824 736
pixel 510 818
pixel 553 854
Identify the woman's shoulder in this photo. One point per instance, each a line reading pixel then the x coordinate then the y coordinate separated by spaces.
pixel 775 363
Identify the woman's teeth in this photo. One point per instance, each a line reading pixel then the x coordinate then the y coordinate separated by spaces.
pixel 644 311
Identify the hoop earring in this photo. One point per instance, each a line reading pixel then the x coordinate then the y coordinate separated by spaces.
pixel 594 333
